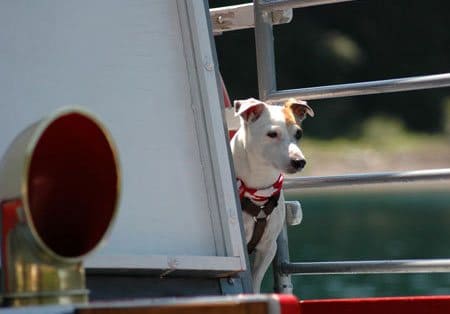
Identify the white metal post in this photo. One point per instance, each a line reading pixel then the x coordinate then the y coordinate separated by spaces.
pixel 265 55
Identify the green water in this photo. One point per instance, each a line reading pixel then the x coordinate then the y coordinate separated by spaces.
pixel 367 225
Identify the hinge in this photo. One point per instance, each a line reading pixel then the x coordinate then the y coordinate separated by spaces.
pixel 241 16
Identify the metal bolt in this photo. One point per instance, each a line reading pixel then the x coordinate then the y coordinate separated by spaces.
pixel 207 64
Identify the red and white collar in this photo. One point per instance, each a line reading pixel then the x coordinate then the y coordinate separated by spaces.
pixel 259 195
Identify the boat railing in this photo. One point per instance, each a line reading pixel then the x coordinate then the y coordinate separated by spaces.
pixel 366 178
pixel 283 268
pixel 262 15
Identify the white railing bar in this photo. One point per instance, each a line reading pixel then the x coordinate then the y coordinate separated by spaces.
pixel 265 54
pixel 364 88
pixel 271 5
pixel 366 178
pixel 232 17
pixel 241 16
pixel 368 267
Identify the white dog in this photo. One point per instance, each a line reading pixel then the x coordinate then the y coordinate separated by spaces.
pixel 264 147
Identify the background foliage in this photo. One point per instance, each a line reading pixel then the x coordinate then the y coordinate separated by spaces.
pixel 351 42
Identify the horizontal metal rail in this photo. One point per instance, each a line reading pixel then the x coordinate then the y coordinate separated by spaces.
pixel 241 16
pixel 366 178
pixel 363 88
pixel 368 267
pixel 271 5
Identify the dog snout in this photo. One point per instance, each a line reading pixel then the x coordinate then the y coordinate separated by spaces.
pixel 298 163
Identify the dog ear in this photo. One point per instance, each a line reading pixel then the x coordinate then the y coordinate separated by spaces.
pixel 300 109
pixel 249 109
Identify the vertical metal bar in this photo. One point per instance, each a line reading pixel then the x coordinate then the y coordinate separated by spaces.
pixel 265 55
pixel 265 60
pixel 282 280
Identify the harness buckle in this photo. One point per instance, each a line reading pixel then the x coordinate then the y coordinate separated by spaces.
pixel 262 214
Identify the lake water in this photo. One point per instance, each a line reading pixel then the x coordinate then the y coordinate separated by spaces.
pixel 371 224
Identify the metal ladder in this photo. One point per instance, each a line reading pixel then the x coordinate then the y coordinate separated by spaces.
pixel 283 268
pixel 269 12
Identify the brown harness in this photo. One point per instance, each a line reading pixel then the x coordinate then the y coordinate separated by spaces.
pixel 260 215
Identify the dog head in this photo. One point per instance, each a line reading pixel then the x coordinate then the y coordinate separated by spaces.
pixel 272 133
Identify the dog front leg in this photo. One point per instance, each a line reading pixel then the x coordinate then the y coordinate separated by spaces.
pixel 261 263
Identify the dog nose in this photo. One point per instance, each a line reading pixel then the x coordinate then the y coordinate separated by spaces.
pixel 298 163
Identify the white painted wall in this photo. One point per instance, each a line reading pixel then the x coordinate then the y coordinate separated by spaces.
pixel 125 62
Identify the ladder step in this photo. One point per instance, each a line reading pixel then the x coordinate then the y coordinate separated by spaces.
pixel 364 88
pixel 366 178
pixel 368 267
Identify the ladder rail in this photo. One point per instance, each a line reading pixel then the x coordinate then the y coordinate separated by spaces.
pixel 363 88
pixel 366 178
pixel 265 54
pixel 265 60
pixel 267 87
pixel 406 266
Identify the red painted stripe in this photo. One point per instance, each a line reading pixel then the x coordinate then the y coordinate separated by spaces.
pixel 9 220
pixel 231 133
pixel 391 305
pixel 226 97
pixel 289 303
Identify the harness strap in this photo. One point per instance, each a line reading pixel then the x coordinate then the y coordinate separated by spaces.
pixel 260 195
pixel 260 222
pixel 258 231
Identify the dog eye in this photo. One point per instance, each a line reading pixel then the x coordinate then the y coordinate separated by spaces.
pixel 298 135
pixel 272 134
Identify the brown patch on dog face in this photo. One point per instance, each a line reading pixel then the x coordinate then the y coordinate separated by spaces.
pixel 299 109
pixel 289 115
